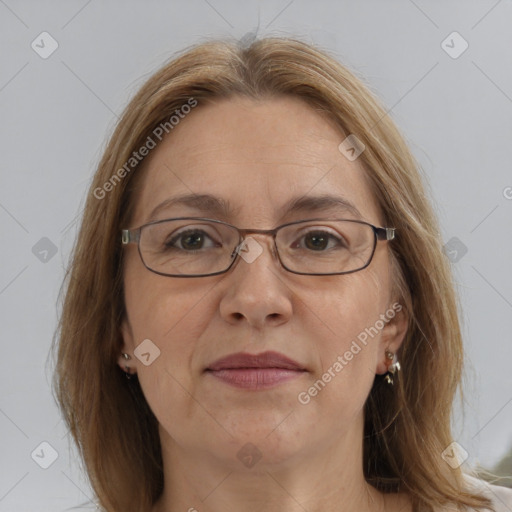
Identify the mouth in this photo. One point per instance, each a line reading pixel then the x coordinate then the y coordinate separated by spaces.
pixel 258 371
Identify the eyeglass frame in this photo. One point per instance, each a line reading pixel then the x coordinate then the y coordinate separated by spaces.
pixel 129 236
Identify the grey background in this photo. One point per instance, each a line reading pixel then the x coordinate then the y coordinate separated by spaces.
pixel 56 114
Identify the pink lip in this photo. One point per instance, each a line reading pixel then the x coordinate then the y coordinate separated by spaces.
pixel 258 371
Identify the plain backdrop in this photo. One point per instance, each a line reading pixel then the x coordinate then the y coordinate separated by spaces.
pixel 454 105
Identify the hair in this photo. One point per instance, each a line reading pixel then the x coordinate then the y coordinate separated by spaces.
pixel 407 427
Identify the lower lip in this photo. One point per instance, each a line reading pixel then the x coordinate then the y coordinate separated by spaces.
pixel 255 378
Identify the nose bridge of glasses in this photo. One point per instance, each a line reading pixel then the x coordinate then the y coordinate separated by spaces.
pixel 249 241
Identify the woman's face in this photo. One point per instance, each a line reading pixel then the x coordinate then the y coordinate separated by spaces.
pixel 258 157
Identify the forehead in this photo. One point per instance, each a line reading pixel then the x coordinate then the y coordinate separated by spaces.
pixel 258 158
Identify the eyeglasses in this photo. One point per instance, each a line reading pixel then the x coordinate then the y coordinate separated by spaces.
pixel 197 247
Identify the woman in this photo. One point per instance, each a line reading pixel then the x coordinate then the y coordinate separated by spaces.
pixel 259 315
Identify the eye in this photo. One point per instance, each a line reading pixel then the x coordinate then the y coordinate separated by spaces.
pixel 191 240
pixel 319 240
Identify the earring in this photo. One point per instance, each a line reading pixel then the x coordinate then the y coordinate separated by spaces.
pixel 127 373
pixel 392 368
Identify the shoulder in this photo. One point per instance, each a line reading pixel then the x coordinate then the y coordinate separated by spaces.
pixel 501 497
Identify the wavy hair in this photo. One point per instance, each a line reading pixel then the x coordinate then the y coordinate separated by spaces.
pixel 407 427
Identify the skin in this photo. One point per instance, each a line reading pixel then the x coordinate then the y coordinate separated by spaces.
pixel 258 155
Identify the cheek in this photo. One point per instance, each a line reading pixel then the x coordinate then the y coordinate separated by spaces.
pixel 164 309
pixel 172 315
pixel 173 318
pixel 348 330
pixel 347 308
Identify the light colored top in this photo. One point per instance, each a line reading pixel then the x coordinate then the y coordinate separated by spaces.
pixel 501 497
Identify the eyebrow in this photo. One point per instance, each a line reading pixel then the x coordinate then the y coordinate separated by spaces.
pixel 212 205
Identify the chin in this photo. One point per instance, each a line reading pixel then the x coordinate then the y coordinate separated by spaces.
pixel 261 441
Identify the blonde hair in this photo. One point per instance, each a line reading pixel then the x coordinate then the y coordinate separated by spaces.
pixel 407 427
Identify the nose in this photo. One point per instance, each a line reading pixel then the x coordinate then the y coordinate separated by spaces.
pixel 255 289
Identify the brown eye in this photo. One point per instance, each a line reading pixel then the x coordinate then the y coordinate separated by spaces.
pixel 316 241
pixel 319 241
pixel 190 240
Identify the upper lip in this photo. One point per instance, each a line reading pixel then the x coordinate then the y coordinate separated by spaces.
pixel 267 359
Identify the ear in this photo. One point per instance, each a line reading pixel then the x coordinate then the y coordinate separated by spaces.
pixel 127 347
pixel 393 334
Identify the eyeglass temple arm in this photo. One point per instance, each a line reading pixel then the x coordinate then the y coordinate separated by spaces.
pixel 130 236
pixel 385 233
